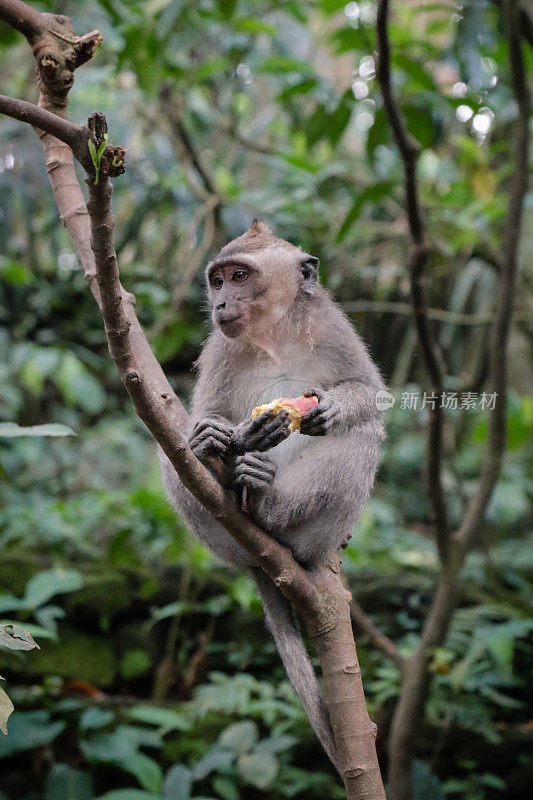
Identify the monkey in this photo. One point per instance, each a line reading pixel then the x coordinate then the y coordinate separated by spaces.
pixel 277 332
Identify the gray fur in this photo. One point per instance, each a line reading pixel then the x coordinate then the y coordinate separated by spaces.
pixel 311 488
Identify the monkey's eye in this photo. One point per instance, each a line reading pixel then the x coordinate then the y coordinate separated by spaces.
pixel 217 281
pixel 239 275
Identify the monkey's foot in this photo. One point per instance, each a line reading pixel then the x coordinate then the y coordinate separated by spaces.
pixel 210 437
pixel 261 433
pixel 254 471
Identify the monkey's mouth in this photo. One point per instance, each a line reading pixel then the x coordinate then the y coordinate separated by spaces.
pixel 228 320
pixel 230 326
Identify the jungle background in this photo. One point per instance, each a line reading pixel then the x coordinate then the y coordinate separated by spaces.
pixel 155 676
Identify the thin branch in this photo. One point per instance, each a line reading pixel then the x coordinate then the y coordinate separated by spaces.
pixel 250 144
pixel 526 19
pixel 418 261
pixel 181 134
pixel 174 116
pixel 417 679
pixel 75 136
pixel 438 314
pixel 377 637
pixel 56 60
pixel 497 433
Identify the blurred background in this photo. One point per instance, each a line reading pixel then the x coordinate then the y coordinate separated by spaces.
pixel 155 676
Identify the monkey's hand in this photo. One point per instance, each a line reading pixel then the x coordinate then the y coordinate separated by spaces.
pixel 210 437
pixel 260 433
pixel 320 420
pixel 254 471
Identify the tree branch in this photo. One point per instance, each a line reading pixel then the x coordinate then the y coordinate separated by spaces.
pixel 181 134
pixel 57 53
pixel 22 17
pixel 526 19
pixel 377 638
pixel 417 263
pixel 497 434
pixel 75 136
pixel 417 678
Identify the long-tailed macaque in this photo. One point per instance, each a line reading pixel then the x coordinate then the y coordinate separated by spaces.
pixel 278 333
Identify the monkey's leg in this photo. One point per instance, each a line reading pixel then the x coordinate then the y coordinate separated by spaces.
pixel 313 502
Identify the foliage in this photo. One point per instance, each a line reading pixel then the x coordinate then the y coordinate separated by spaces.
pixel 154 677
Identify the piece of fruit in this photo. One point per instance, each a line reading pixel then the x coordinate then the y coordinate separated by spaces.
pixel 296 407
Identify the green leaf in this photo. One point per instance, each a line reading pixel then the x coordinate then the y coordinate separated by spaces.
pixel 95 718
pixel 420 124
pixel 130 794
pixel 216 757
pixel 146 770
pixel 254 25
pixel 371 194
pixel 415 71
pixel 96 156
pixel 29 729
pixel 178 783
pixel 258 769
pixel 65 783
pixel 279 64
pixel 135 663
pixel 14 272
pixel 378 134
pixel 11 429
pixel 276 744
pixel 210 68
pixel 115 747
pixel 50 582
pixel 239 737
pixel 301 87
pixel 225 788
pixel 165 718
pixel 348 39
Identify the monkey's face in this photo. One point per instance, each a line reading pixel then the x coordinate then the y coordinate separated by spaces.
pixel 251 287
pixel 234 289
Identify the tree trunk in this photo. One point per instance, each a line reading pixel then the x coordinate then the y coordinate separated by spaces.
pixel 355 733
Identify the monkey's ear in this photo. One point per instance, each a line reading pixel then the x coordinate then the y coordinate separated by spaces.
pixel 309 268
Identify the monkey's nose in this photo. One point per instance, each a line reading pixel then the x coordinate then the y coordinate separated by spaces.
pixel 221 305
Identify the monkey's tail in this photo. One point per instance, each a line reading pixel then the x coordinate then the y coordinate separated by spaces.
pixel 282 624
